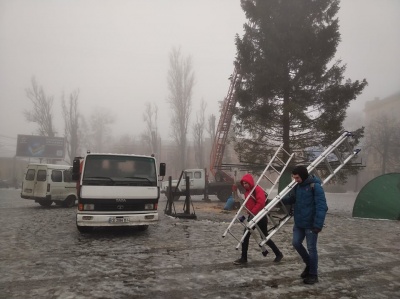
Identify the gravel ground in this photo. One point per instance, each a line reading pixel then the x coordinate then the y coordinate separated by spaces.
pixel 44 256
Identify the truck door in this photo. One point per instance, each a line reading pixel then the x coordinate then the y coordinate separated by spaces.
pixel 196 178
pixel 41 182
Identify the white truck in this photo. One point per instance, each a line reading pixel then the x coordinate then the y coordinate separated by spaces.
pixel 199 185
pixel 48 183
pixel 117 190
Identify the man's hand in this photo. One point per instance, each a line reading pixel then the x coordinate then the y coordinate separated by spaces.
pixel 316 230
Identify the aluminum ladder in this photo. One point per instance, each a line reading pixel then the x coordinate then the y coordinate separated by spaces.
pixel 277 165
pixel 333 166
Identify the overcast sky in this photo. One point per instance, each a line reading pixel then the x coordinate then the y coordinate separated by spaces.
pixel 116 54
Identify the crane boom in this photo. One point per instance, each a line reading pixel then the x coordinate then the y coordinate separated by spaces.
pixel 221 135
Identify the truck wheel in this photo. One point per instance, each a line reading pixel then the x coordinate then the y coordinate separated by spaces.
pixel 69 202
pixel 45 203
pixel 142 228
pixel 224 194
pixel 84 229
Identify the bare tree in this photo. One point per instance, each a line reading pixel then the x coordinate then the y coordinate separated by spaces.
pixel 211 127
pixel 100 121
pixel 71 124
pixel 382 141
pixel 41 113
pixel 126 144
pixel 198 130
pixel 180 85
pixel 150 136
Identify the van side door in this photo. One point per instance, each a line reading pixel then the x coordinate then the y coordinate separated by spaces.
pixel 40 189
pixel 57 186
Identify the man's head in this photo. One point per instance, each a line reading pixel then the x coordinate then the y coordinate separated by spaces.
pixel 299 174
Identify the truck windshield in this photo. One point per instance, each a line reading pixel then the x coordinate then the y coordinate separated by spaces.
pixel 119 171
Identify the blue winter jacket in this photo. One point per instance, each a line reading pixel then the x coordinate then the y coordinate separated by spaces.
pixel 309 207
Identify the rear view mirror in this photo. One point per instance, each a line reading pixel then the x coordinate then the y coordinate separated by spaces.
pixel 162 169
pixel 76 169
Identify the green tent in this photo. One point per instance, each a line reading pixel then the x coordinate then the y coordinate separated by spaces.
pixel 379 198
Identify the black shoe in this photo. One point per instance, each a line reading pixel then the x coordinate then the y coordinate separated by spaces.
pixel 278 258
pixel 240 261
pixel 311 279
pixel 305 272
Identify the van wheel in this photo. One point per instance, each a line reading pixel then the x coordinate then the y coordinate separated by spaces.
pixel 45 203
pixel 69 202
pixel 84 229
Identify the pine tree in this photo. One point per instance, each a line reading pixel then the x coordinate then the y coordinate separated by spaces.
pixel 292 90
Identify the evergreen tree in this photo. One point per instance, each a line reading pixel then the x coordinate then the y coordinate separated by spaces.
pixel 292 90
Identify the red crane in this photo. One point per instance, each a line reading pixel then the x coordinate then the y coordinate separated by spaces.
pixel 221 135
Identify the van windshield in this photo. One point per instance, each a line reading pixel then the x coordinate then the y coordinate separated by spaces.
pixel 112 170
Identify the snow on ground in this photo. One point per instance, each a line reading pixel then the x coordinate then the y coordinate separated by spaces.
pixel 44 256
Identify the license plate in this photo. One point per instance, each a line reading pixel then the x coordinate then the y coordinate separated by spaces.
pixel 118 220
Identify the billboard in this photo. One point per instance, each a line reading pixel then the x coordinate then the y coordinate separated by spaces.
pixel 40 146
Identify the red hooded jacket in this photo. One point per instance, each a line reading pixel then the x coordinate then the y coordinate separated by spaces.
pixel 256 202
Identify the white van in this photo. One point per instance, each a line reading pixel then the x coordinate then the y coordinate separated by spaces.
pixel 48 183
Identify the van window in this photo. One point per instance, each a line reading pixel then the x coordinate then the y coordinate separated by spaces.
pixel 56 176
pixel 30 175
pixel 68 176
pixel 41 175
pixel 197 175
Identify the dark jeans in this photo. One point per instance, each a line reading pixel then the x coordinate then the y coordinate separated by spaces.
pixel 263 225
pixel 310 257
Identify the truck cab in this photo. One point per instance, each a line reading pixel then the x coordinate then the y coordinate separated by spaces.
pixel 117 190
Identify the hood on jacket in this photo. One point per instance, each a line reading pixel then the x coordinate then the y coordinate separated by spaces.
pixel 311 179
pixel 248 178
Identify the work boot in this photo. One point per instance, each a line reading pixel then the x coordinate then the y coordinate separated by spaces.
pixel 278 257
pixel 305 272
pixel 311 279
pixel 240 261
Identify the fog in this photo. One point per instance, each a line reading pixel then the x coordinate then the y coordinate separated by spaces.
pixel 116 54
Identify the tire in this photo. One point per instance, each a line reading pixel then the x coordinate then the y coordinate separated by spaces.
pixel 84 229
pixel 45 203
pixel 69 202
pixel 223 194
pixel 142 228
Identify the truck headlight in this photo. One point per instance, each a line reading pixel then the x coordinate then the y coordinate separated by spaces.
pixel 86 207
pixel 149 206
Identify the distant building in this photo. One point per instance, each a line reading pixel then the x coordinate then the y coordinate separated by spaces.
pixel 387 107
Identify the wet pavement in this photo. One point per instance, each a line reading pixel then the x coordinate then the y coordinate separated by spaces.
pixel 44 256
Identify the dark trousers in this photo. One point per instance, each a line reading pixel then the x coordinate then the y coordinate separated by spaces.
pixel 263 225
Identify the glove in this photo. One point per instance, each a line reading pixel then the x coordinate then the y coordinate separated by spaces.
pixel 316 230
pixel 242 218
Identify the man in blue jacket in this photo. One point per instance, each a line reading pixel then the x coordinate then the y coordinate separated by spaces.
pixel 309 202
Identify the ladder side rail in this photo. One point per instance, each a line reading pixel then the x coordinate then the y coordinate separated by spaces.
pixel 266 214
pixel 328 150
pixel 340 167
pixel 280 173
pixel 286 219
pixel 235 218
pixel 268 208
pixel 337 169
pixel 310 168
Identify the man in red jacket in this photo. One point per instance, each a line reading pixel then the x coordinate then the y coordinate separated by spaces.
pixel 255 204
